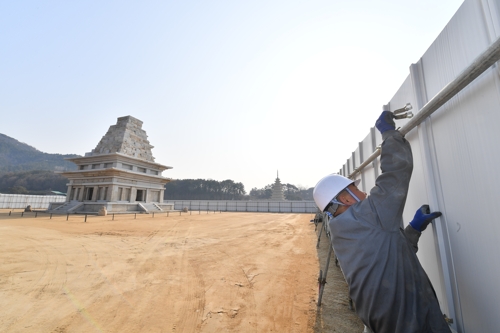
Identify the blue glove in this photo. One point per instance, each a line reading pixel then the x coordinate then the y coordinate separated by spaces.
pixel 423 217
pixel 385 122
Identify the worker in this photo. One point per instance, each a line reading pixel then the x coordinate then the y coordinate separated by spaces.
pixel 389 287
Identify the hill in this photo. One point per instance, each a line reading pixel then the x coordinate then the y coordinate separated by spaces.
pixel 17 156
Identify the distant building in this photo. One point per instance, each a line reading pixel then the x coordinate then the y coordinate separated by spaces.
pixel 120 174
pixel 277 190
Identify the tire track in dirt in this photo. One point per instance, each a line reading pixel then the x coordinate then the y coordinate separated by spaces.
pixel 21 281
pixel 188 312
pixel 235 285
pixel 47 276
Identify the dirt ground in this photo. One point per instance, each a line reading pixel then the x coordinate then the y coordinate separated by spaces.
pixel 189 272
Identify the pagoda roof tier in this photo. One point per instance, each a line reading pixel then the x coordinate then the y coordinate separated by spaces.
pixel 117 157
pixel 114 172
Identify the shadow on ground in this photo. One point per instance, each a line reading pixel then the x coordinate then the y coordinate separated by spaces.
pixel 334 313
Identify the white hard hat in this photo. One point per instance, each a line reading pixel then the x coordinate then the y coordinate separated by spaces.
pixel 329 187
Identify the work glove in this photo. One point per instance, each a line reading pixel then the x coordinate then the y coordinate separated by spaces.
pixel 385 122
pixel 423 217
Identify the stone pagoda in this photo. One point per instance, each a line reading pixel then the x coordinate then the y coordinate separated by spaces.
pixel 120 175
pixel 277 193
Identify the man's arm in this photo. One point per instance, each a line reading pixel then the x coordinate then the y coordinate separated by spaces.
pixel 388 197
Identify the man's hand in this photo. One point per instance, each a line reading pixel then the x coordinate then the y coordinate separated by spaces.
pixel 423 217
pixel 385 122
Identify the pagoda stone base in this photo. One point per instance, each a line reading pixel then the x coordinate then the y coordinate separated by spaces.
pixel 77 207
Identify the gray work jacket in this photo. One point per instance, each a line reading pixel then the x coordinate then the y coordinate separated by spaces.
pixel 389 287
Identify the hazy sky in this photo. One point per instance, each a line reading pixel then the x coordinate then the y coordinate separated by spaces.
pixel 226 89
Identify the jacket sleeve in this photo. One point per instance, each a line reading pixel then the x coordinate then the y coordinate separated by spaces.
pixel 412 236
pixel 388 196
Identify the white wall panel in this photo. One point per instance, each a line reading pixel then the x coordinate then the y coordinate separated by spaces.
pixel 368 175
pixel 461 41
pixel 466 142
pixel 357 160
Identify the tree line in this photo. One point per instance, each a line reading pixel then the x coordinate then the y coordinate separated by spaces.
pixel 290 191
pixel 42 182
pixel 39 182
pixel 203 189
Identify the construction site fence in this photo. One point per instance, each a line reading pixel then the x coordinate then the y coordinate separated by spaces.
pixel 16 201
pixel 12 201
pixel 246 206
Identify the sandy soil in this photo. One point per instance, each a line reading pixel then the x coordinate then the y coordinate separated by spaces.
pixel 229 272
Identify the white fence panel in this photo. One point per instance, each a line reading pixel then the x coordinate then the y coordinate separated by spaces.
pixel 17 201
pixel 246 206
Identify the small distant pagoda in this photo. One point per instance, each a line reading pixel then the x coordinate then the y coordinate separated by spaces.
pixel 119 175
pixel 277 191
